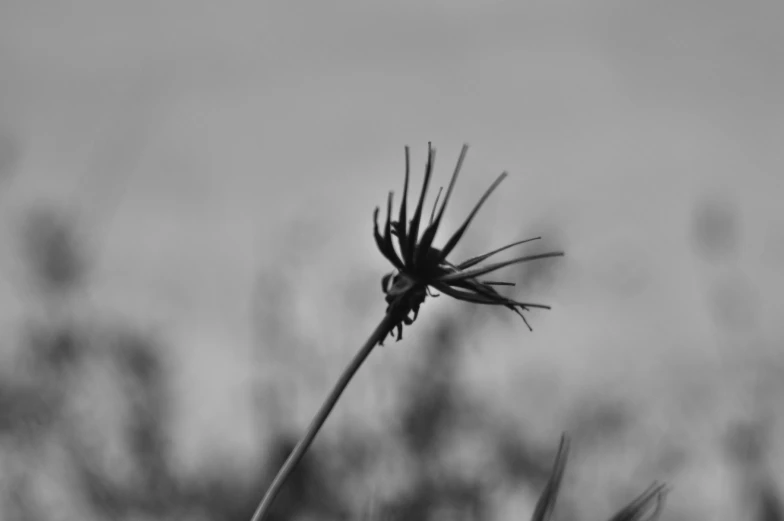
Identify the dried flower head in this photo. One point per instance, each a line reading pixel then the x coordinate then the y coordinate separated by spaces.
pixel 420 266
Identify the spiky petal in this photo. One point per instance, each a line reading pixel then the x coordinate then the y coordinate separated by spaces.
pixel 421 265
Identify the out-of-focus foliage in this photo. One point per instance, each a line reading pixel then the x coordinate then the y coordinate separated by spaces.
pixel 119 464
pixel 715 229
pixel 86 413
pixel 86 410
pixel 55 257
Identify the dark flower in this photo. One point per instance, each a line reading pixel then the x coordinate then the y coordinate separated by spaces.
pixel 419 265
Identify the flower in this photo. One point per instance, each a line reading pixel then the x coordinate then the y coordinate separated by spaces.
pixel 420 266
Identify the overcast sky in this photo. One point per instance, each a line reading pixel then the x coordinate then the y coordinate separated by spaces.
pixel 192 135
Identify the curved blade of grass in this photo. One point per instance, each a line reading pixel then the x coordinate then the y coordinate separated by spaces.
pixel 473 261
pixel 646 507
pixel 546 504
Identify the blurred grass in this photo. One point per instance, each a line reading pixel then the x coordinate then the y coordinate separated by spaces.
pixel 89 414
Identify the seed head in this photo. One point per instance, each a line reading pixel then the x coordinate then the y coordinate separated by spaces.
pixel 419 266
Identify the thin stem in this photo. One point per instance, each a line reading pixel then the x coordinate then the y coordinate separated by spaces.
pixel 384 327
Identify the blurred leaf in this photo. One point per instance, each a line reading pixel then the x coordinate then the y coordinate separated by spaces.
pixel 769 507
pixel 52 249
pixel 599 420
pixel 646 507
pixel 52 349
pixel 734 304
pixel 26 411
pixel 429 409
pixel 546 503
pixel 715 229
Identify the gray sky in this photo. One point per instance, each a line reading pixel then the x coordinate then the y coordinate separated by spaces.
pixel 191 134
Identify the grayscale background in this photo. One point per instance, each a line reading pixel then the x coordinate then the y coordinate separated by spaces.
pixel 186 257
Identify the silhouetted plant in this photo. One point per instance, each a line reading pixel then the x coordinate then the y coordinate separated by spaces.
pixel 419 267
pixel 430 410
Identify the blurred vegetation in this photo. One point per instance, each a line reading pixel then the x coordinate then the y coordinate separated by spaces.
pixel 717 234
pixel 86 411
pixel 86 408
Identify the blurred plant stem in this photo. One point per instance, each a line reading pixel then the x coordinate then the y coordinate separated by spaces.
pixel 379 334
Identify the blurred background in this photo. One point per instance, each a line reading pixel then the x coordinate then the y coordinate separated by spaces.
pixel 186 258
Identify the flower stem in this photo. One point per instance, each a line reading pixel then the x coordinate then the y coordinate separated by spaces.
pixel 378 335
